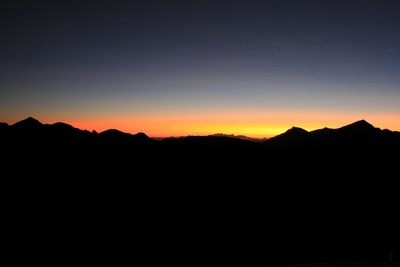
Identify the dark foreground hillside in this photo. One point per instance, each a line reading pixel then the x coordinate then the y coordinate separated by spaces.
pixel 72 197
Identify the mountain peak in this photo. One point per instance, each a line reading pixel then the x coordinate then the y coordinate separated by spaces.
pixel 28 123
pixel 363 122
pixel 296 131
pixel 294 135
pixel 361 125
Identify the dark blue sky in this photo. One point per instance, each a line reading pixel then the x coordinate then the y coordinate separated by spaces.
pixel 194 67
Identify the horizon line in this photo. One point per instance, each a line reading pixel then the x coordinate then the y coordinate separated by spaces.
pixel 220 133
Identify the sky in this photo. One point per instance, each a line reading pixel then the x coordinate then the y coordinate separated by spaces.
pixel 176 68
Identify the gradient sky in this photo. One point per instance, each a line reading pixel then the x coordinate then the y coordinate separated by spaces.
pixel 173 68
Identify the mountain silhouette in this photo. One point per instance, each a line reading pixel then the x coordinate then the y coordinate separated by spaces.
pixel 359 135
pixel 328 195
pixel 359 126
pixel 27 124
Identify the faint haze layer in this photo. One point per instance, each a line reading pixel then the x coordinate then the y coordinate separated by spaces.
pixel 172 68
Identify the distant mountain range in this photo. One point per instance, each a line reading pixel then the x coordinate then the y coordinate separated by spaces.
pixel 30 123
pixel 328 195
pixel 295 134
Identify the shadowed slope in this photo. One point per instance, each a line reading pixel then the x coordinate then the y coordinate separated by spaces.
pixel 322 196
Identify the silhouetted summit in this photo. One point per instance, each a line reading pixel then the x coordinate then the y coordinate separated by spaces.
pixel 359 125
pixel 293 137
pixel 61 126
pixel 27 124
pixel 359 128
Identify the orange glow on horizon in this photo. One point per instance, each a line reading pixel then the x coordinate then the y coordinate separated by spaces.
pixel 253 124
